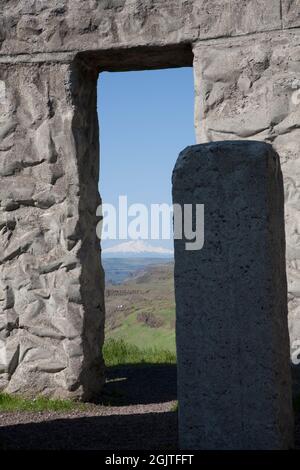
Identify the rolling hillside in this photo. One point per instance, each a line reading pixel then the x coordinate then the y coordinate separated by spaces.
pixel 141 311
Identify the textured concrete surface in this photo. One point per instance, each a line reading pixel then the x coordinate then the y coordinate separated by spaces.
pixel 234 385
pixel 290 13
pixel 51 285
pixel 246 61
pixel 76 25
pixel 249 88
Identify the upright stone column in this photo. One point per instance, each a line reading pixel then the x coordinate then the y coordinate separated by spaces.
pixel 249 88
pixel 51 283
pixel 234 386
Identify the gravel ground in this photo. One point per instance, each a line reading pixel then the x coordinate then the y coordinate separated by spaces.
pixel 147 427
pixel 142 417
pixel 137 415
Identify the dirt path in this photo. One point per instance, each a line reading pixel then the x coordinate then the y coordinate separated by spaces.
pixel 139 414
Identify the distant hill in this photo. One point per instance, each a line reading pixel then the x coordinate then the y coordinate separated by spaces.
pixel 142 310
pixel 118 270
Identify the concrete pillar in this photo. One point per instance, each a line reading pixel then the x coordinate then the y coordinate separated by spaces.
pixel 234 385
pixel 51 283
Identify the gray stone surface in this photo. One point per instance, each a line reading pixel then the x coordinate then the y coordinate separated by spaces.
pixel 51 285
pixel 41 26
pixel 290 13
pixel 237 17
pixel 231 300
pixel 249 88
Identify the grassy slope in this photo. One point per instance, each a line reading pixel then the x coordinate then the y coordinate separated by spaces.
pixel 128 306
pixel 117 352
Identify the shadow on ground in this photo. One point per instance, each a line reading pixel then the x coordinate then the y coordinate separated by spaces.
pixel 136 415
pixel 135 425
pixel 153 431
pixel 140 385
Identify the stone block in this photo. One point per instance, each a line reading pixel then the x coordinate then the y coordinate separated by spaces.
pixel 231 301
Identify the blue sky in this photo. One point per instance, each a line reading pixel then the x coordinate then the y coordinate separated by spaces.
pixel 146 119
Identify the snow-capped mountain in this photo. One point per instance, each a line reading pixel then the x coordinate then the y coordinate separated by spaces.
pixel 137 248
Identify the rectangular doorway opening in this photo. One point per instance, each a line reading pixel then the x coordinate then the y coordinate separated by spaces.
pixel 146 119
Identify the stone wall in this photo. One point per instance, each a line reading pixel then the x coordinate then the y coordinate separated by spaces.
pixel 74 25
pixel 246 60
pixel 51 286
pixel 249 88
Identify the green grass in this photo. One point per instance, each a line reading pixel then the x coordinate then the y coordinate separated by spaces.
pixel 152 293
pixel 118 352
pixel 174 408
pixel 139 334
pixel 18 403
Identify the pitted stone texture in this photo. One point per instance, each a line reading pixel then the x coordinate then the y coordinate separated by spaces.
pixel 51 284
pixel 232 337
pixel 250 89
pixel 61 25
pixel 291 13
pixel 237 17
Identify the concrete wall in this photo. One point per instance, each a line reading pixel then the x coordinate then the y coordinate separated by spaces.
pixel 36 26
pixel 246 66
pixel 248 88
pixel 51 284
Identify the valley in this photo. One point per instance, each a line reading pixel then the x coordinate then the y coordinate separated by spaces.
pixel 140 305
